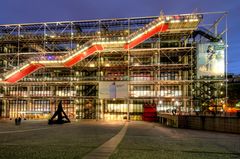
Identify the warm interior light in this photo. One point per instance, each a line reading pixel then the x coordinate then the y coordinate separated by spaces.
pixel 177 103
pixel 92 65
pixel 136 64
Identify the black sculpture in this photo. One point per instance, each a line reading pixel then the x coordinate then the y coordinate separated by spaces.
pixel 59 115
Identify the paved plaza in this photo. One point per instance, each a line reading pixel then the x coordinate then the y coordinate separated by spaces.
pixel 112 139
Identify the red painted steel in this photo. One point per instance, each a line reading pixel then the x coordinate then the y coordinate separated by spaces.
pixel 160 28
pixel 149 112
pixel 83 55
pixel 20 74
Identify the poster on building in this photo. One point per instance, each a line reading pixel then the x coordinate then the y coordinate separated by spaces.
pixel 113 90
pixel 210 60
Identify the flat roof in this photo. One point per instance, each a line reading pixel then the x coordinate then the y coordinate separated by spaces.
pixel 110 19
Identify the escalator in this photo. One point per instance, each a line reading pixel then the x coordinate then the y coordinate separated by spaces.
pixel 160 24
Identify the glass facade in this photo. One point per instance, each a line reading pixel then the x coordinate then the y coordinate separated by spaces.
pixel 159 70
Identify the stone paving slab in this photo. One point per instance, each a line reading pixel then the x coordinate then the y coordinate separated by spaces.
pixel 145 140
pixel 105 150
pixel 37 139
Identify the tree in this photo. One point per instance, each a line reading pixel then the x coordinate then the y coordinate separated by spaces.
pixel 233 93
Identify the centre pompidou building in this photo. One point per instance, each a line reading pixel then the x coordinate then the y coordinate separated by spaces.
pixel 113 68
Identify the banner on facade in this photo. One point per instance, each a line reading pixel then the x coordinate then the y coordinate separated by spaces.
pixel 210 60
pixel 113 90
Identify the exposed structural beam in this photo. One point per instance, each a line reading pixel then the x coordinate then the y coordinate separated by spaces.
pixel 78 28
pixel 106 50
pixel 215 24
pixel 38 48
pixel 27 69
pixel 223 32
pixel 160 24
pixel 91 50
pixel 144 36
pixel 211 33
pixel 96 20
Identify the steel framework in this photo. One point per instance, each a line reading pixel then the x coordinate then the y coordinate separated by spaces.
pixel 154 57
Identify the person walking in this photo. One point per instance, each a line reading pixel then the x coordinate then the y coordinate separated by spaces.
pixel 16 121
pixel 19 120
